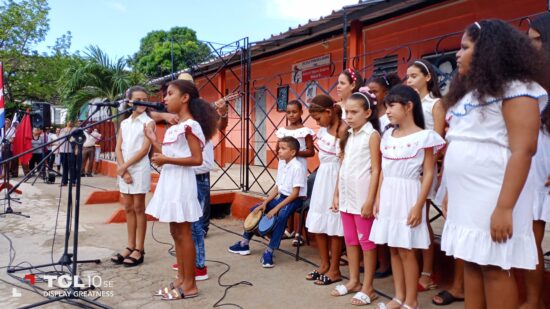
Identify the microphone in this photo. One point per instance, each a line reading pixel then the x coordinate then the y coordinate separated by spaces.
pixel 109 104
pixel 157 106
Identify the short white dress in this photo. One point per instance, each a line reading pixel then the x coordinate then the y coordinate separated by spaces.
pixel 175 198
pixel 132 141
pixel 320 218
pixel 402 161
pixel 540 169
pixel 300 134
pixel 475 164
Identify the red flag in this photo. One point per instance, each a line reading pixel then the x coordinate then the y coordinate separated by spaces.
pixel 23 140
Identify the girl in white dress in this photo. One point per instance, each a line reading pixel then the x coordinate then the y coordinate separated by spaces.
pixel 422 77
pixel 305 136
pixel 326 224
pixel 379 86
pixel 349 82
pixel 175 199
pixel 407 149
pixel 493 111
pixel 539 173
pixel 356 192
pixel 134 177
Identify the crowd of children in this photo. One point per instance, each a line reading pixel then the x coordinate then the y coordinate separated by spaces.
pixel 379 149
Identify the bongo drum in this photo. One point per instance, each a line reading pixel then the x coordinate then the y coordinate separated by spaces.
pixel 251 222
pixel 266 225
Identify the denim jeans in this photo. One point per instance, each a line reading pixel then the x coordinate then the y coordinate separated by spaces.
pixel 280 221
pixel 198 227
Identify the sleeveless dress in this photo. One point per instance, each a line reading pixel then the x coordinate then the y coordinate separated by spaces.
pixel 320 218
pixel 132 140
pixel 175 198
pixel 540 169
pixel 402 160
pixel 475 163
pixel 299 134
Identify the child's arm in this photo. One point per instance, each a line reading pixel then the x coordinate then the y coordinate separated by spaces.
pixel 336 197
pixel 161 116
pixel 439 118
pixel 375 161
pixel 118 152
pixel 415 214
pixel 143 151
pixel 376 207
pixel 152 137
pixel 522 119
pixel 194 160
pixel 294 195
pixel 309 151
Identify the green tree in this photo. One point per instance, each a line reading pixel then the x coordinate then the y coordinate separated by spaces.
pixel 154 57
pixel 97 76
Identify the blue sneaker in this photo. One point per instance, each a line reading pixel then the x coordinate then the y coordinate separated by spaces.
pixel 267 260
pixel 240 249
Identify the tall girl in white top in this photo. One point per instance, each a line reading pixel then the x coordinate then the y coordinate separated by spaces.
pixel 356 192
pixel 422 77
pixel 134 177
pixel 175 199
pixel 407 150
pixel 304 135
pixel 349 82
pixel 326 224
pixel 494 118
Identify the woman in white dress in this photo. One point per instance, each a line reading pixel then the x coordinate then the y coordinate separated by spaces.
pixel 493 111
pixel 407 149
pixel 422 77
pixel 326 224
pixel 175 199
pixel 134 177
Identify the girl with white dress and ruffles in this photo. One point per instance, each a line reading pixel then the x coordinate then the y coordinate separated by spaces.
pixel 493 111
pixel 134 177
pixel 422 77
pixel 326 224
pixel 304 135
pixel 175 199
pixel 407 150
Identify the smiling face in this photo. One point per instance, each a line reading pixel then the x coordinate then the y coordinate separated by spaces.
pixel 293 114
pixel 417 79
pixel 174 99
pixel 356 114
pixel 344 87
pixel 465 54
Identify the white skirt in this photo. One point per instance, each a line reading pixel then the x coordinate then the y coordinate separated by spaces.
pixel 390 227
pixel 320 218
pixel 141 178
pixel 175 198
pixel 474 173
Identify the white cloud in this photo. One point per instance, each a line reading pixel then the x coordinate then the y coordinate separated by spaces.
pixel 118 6
pixel 302 10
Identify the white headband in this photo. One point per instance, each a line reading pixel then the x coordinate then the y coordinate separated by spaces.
pixel 477 25
pixel 364 96
pixel 423 64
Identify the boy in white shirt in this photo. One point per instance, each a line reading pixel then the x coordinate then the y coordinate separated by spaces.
pixel 287 196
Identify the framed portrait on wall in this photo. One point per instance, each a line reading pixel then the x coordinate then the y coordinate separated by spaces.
pixel 282 98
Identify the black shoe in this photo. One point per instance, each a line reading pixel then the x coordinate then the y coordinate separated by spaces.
pixel 135 262
pixel 89 175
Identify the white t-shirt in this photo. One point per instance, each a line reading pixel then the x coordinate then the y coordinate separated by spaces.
pixel 291 175
pixel 207 159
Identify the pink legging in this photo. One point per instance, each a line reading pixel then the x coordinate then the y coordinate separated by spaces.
pixel 357 231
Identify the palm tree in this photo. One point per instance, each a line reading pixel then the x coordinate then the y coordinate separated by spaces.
pixel 96 77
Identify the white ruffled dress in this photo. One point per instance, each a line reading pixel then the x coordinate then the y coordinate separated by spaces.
pixel 320 218
pixel 475 164
pixel 175 198
pixel 402 161
pixel 538 175
pixel 299 134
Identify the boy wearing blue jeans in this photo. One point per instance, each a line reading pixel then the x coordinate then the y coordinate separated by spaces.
pixel 287 195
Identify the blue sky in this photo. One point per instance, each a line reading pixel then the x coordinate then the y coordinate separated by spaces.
pixel 117 26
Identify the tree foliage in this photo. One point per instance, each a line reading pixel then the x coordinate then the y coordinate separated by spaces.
pixel 97 76
pixel 154 57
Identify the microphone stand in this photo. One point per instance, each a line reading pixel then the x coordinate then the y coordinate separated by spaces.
pixel 6 185
pixel 70 261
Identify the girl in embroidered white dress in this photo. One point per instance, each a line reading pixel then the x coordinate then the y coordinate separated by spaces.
pixel 326 224
pixel 134 177
pixel 175 199
pixel 304 135
pixel 493 111
pixel 407 149
pixel 422 77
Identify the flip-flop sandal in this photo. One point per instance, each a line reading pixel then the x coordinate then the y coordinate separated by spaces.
pixel 313 275
pixel 447 298
pixel 177 294
pixel 340 290
pixel 325 280
pixel 363 299
pixel 408 307
pixel 164 290
pixel 383 306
